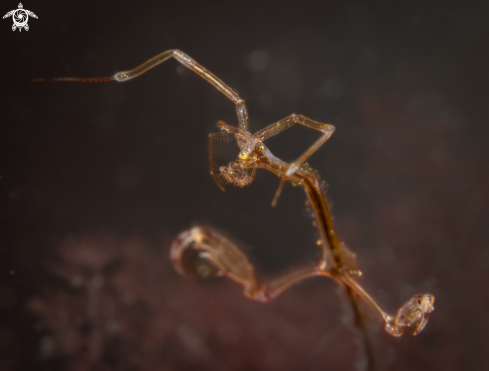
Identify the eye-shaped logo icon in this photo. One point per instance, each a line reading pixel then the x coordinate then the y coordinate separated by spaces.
pixel 20 17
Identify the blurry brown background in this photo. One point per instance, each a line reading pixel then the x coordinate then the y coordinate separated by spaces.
pixel 97 179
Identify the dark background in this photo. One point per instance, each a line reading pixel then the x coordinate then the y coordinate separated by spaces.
pixel 121 169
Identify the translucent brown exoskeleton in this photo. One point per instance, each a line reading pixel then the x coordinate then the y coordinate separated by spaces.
pixel 203 251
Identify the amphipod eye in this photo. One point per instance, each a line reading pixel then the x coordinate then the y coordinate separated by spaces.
pixel 260 146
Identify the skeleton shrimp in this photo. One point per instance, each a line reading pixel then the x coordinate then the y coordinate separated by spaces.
pixel 203 251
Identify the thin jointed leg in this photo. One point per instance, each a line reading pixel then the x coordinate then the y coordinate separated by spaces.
pixel 284 124
pixel 287 122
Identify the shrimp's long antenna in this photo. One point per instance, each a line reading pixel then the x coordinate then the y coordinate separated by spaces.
pixel 184 59
pixel 76 79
